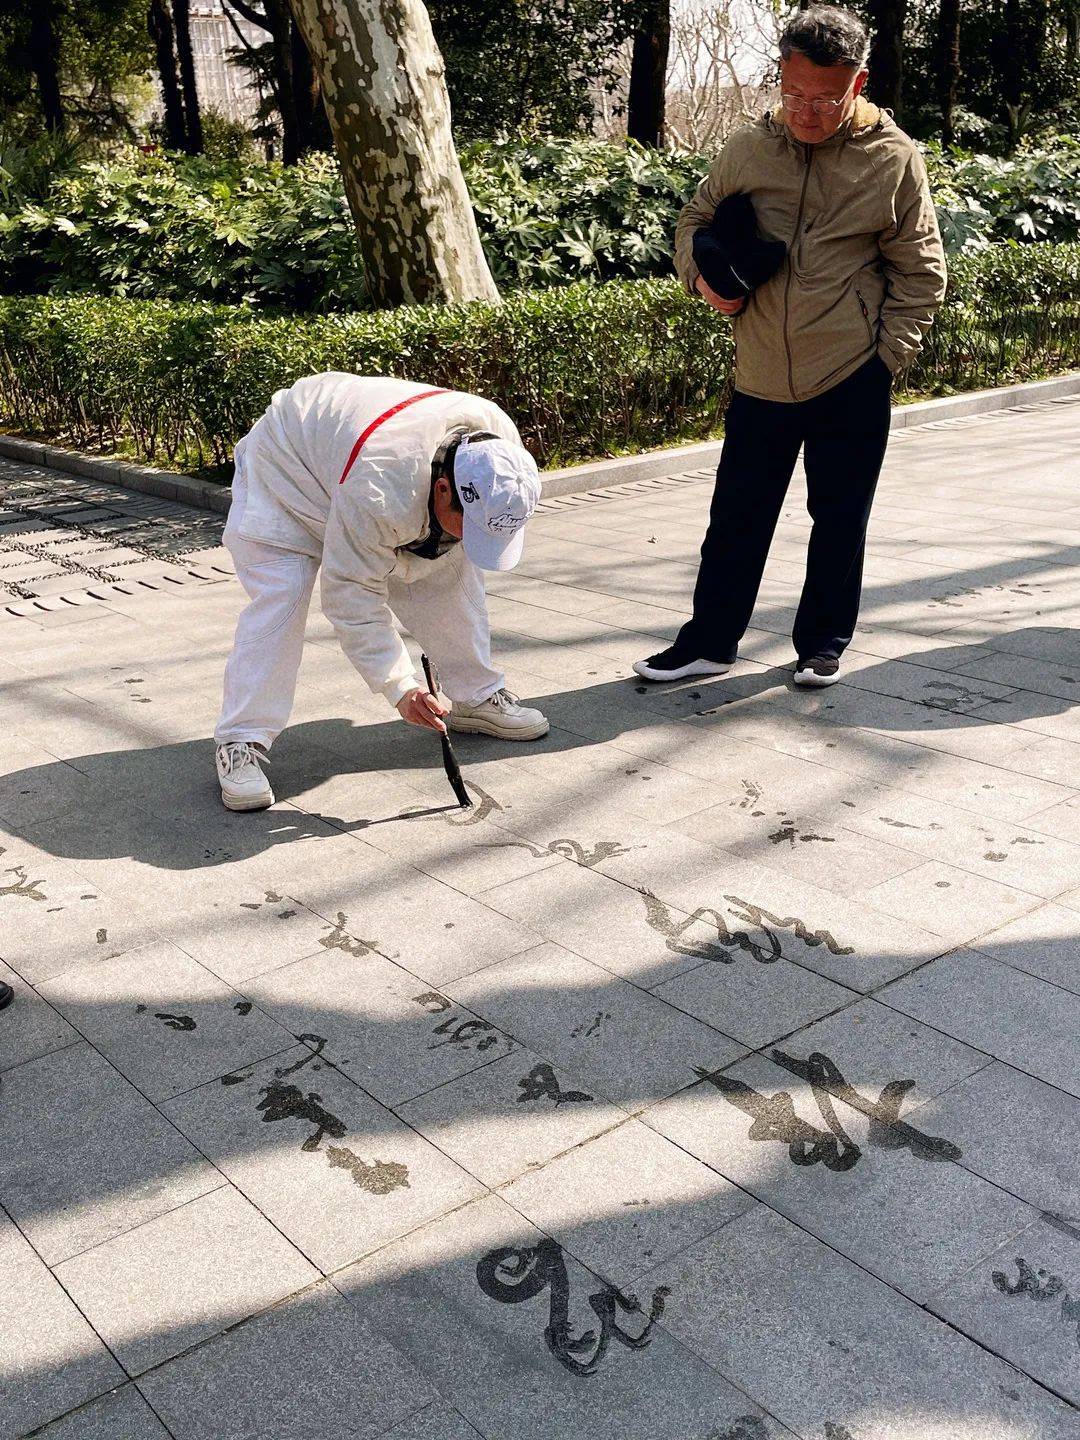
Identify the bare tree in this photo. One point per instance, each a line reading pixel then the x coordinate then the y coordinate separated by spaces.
pixel 384 89
pixel 284 67
pixel 722 70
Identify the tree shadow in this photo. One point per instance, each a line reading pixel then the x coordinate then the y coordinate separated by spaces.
pixel 300 1105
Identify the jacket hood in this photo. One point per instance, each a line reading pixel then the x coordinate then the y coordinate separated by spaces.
pixel 865 118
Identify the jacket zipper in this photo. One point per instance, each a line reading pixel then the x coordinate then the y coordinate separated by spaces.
pixel 787 286
pixel 865 316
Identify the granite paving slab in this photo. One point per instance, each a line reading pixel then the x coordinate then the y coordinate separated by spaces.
pixel 845 1164
pixel 384 1027
pixel 1018 1132
pixel 31 1027
pixel 625 1201
pixel 85 1157
pixel 53 1364
pixel 307 1367
pixel 164 1021
pixel 1044 942
pixel 832 1351
pixel 334 1171
pixel 627 1043
pixel 121 1415
pixel 509 1116
pixel 447 1297
pixel 169 1284
pixel 1023 1303
pixel 1014 1016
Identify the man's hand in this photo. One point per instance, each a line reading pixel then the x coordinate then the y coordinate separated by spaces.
pixel 726 307
pixel 420 707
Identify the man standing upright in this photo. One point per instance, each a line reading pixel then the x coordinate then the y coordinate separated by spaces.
pixel 817 344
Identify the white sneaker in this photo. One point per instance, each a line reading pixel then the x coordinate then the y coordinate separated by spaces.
pixel 818 671
pixel 676 664
pixel 243 784
pixel 501 716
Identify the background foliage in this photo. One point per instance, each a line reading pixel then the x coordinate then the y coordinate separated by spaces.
pixel 550 212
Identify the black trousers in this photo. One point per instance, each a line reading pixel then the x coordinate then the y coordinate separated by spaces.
pixel 844 433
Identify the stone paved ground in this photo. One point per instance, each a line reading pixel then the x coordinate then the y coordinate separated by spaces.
pixel 714 1079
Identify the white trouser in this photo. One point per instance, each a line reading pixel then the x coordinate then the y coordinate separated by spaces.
pixel 445 611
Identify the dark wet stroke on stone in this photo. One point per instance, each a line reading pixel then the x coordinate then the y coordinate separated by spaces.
pixel 512 1275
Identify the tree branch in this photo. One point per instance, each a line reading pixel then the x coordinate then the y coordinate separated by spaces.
pixel 257 17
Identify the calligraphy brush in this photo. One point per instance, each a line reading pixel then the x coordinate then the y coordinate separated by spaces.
pixel 450 765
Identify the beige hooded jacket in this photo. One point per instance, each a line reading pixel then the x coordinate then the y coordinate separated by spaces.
pixel 865 268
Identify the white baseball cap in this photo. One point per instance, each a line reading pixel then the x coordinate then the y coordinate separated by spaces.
pixel 498 485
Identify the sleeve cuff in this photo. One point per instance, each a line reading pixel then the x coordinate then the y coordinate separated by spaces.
pixel 691 280
pixel 397 689
pixel 894 365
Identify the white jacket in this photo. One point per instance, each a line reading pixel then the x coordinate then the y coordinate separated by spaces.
pixel 293 460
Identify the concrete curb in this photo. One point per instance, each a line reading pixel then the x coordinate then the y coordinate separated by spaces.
pixel 574 480
pixel 203 494
pixel 706 456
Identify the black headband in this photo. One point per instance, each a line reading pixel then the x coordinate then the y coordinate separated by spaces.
pixel 444 456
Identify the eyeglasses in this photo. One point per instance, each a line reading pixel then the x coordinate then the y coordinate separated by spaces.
pixel 796 103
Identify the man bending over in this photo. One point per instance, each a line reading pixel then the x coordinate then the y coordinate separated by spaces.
pixel 403 494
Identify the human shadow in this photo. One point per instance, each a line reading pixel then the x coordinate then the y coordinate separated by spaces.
pixel 159 804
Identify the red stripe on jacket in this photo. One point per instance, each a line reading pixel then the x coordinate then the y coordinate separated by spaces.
pixel 381 420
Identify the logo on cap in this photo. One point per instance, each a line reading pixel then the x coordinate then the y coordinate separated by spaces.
pixel 497 523
pixel 469 494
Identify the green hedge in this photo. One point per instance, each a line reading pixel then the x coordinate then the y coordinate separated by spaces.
pixel 585 370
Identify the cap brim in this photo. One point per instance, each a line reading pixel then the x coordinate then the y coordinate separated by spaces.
pixel 492 552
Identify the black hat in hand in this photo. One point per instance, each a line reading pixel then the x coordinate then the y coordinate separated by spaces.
pixel 730 254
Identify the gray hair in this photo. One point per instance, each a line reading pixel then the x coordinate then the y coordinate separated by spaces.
pixel 826 35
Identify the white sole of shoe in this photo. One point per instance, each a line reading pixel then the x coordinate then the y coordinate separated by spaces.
pixel 684 672
pixel 809 681
pixel 246 802
pixel 479 726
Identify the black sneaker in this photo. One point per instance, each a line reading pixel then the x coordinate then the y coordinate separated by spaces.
pixel 676 664
pixel 817 671
pixel 7 994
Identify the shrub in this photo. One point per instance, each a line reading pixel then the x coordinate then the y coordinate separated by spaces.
pixel 183 228
pixel 553 212
pixel 1034 195
pixel 585 370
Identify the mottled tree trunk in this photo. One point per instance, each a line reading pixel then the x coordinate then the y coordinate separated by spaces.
pixel 648 75
pixel 385 94
pixel 886 84
pixel 192 117
pixel 161 32
pixel 948 65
